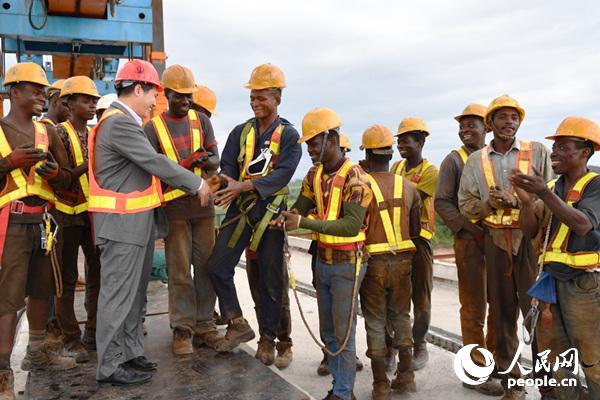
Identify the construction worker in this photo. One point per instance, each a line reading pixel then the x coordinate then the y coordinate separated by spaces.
pixel 204 101
pixel 258 161
pixel 571 261
pixel 57 111
pixel 103 103
pixel 125 199
pixel 385 294
pixel 33 162
pixel 187 138
pixel 411 135
pixel 81 95
pixel 486 194
pixel 468 241
pixel 345 145
pixel 340 226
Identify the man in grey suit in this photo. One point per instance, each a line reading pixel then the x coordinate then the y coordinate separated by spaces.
pixel 123 164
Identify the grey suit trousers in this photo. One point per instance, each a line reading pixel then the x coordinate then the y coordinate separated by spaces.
pixel 124 280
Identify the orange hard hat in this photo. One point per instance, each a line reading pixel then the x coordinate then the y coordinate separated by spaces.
pixel 26 72
pixel 79 84
pixel 473 109
pixel 179 79
pixel 379 139
pixel 501 102
pixel 578 127
pixel 138 71
pixel 345 142
pixel 412 124
pixel 55 87
pixel 266 76
pixel 206 98
pixel 318 121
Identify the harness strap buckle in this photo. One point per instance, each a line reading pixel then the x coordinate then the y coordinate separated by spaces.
pixel 17 207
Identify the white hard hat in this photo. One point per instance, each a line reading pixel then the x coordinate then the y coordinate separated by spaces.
pixel 105 101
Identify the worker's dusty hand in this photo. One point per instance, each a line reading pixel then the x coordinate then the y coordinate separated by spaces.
pixel 279 222
pixel 215 183
pixel 25 156
pixel 232 191
pixel 205 194
pixel 502 199
pixel 292 220
pixel 49 169
pixel 529 183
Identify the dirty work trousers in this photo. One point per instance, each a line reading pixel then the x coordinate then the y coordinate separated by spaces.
pixel 284 329
pixel 385 296
pixel 71 238
pixel 222 264
pixel 191 298
pixel 473 294
pixel 124 279
pixel 334 296
pixel 575 324
pixel 422 285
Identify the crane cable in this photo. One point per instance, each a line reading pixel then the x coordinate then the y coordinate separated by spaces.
pixel 43 24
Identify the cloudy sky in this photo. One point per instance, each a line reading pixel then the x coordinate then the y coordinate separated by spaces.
pixel 379 61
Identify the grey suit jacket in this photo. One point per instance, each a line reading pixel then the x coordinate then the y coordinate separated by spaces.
pixel 125 161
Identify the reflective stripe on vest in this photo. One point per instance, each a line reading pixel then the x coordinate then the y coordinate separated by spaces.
pixel 557 249
pixel 166 143
pixel 18 184
pixel 247 148
pixel 393 232
pixel 108 201
pixel 509 217
pixel 46 120
pixel 399 168
pixel 462 154
pixel 77 152
pixel 334 207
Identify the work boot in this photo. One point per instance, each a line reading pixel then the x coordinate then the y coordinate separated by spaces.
pixel 89 342
pixel 265 352
pixel 381 384
pixel 390 359
pixel 76 349
pixel 43 359
pixel 323 369
pixel 219 319
pixel 209 339
pixel 182 342
pixel 284 355
pixel 488 388
pixel 238 331
pixel 514 394
pixel 331 396
pixel 7 385
pixel 405 376
pixel 359 364
pixel 54 338
pixel 420 356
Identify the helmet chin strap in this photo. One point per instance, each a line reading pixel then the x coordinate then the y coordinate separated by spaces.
pixel 323 144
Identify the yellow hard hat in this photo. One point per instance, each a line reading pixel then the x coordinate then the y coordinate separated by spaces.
pixel 56 87
pixel 345 142
pixel 501 102
pixel 179 79
pixel 474 109
pixel 579 127
pixel 317 121
pixel 379 138
pixel 26 72
pixel 266 76
pixel 206 98
pixel 79 84
pixel 411 124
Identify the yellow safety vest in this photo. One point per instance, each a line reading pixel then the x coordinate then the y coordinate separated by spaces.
pixel 399 168
pixel 509 217
pixel 46 120
pixel 557 249
pixel 248 145
pixel 334 208
pixel 77 152
pixel 166 143
pixel 393 231
pixel 19 184
pixel 108 201
pixel 462 154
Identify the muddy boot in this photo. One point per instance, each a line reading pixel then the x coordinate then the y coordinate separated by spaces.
pixel 238 331
pixel 390 359
pixel 381 383
pixel 182 342
pixel 265 352
pixel 420 356
pixel 323 369
pixel 89 342
pixel 209 339
pixel 405 376
pixel 514 394
pixel 54 338
pixel 7 385
pixel 284 355
pixel 43 359
pixel 219 319
pixel 76 349
pixel 488 388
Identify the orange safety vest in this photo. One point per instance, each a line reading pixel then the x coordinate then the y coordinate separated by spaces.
pixel 396 242
pixel 334 208
pixel 169 149
pixel 46 120
pixel 81 204
pixel 557 248
pixel 509 217
pixel 248 145
pixel 108 201
pixel 428 228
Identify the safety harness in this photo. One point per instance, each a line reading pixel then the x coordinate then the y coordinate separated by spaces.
pixel 82 203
